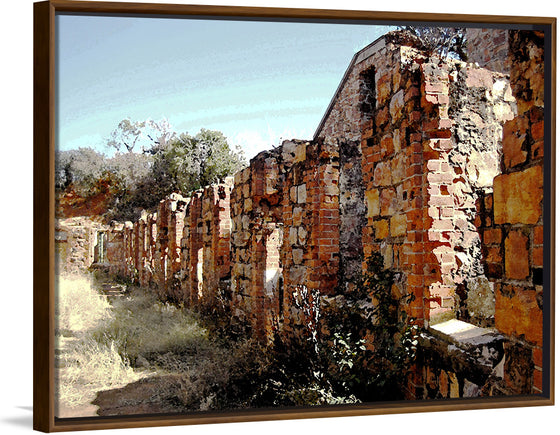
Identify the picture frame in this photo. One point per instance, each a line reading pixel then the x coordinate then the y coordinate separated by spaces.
pixel 44 233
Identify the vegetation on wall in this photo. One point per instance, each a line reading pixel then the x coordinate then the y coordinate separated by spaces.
pixel 440 41
pixel 356 347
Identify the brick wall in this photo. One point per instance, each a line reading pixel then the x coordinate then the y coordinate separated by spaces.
pixel 509 219
pixel 426 135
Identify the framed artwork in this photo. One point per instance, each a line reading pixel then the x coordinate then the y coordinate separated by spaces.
pixel 247 214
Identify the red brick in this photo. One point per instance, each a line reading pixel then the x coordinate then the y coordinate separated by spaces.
pixel 538 357
pixel 537 131
pixel 387 147
pixel 493 236
pixel 515 133
pixel 381 228
pixel 537 257
pixel 382 174
pixel 538 379
pixel 516 255
pixel 537 150
pixel 382 117
pixel 538 235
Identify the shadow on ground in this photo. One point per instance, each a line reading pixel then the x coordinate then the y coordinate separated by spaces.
pixel 154 395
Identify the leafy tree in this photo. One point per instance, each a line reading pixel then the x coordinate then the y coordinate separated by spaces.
pixel 188 163
pixel 182 164
pixel 151 162
pixel 132 135
pixel 131 168
pixel 82 167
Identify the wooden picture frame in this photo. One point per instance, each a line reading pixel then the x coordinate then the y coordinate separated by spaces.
pixel 539 152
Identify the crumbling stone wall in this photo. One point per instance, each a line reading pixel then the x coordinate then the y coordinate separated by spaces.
pixel 429 135
pixel 509 218
pixel 489 48
pixel 208 254
pixel 115 249
pixel 78 244
pixel 437 164
pixel 255 243
pixel 285 232
pixel 511 221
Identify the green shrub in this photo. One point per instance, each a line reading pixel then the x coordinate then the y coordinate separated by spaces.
pixel 356 347
pixel 370 342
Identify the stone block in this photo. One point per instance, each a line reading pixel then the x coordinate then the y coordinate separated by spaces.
pixel 382 117
pixel 387 199
pixel 302 236
pixel 479 78
pixel 297 216
pixel 382 174
pixel 293 152
pixel 387 145
pixel 383 87
pixel 492 236
pixel 301 194
pixel 372 202
pixel 515 134
pixel 518 313
pixel 398 169
pixel 398 225
pixel 518 197
pixel 297 255
pixel 396 106
pixel 293 236
pixel 381 229
pixel 293 194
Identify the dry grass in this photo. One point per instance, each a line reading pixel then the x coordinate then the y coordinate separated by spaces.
pixel 79 306
pixel 105 346
pixel 84 365
pixel 142 326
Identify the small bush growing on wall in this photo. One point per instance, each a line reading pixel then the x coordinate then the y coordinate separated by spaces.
pixel 370 342
pixel 356 347
pixel 440 41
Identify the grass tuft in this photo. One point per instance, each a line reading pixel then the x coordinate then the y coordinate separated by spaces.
pixel 83 364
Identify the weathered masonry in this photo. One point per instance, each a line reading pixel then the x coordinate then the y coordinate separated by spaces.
pixel 436 164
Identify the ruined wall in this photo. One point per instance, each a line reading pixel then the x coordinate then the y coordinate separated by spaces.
pixel 489 48
pixel 115 249
pixel 429 135
pixel 285 232
pixel 256 242
pixel 435 164
pixel 205 255
pixel 510 222
pixel 78 244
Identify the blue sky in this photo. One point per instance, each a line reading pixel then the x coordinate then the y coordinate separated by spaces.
pixel 257 82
